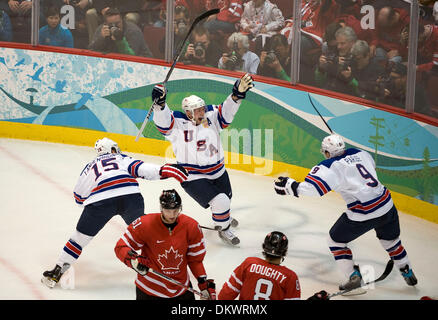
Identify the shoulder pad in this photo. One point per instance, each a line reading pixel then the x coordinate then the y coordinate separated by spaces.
pixel 328 162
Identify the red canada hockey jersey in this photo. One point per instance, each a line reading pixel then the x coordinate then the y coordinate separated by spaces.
pixel 170 252
pixel 257 279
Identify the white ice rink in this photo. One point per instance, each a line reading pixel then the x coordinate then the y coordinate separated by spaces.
pixel 38 215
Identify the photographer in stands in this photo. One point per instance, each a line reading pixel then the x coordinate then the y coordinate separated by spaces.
pixel 238 57
pixel 118 36
pixel 365 71
pixel 334 69
pixel 275 59
pixel 201 50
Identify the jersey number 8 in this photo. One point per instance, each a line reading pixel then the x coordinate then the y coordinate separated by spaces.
pixel 263 283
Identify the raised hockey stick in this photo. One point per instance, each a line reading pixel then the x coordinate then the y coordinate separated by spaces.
pixel 177 55
pixel 383 276
pixel 331 131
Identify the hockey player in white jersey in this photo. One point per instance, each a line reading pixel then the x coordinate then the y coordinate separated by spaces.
pixel 195 139
pixel 107 186
pixel 352 173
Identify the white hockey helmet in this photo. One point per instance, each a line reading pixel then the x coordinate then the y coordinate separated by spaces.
pixel 192 102
pixel 333 144
pixel 105 145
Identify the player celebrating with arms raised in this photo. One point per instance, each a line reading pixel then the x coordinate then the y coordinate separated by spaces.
pixel 196 143
pixel 169 242
pixel 352 173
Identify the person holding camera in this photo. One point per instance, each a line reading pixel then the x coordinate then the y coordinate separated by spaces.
pixel 365 71
pixel 275 60
pixel 130 11
pixel 201 50
pixel 239 58
pixel 334 69
pixel 393 89
pixel 118 36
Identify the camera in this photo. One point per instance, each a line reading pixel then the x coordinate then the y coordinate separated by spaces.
pixel 346 63
pixel 234 59
pixel 115 31
pixel 386 83
pixel 270 57
pixel 199 48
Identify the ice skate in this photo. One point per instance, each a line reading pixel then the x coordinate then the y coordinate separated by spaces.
pixel 409 275
pixel 227 235
pixel 234 223
pixel 354 282
pixel 51 277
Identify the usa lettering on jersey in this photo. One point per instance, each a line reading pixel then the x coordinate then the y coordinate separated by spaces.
pixel 198 148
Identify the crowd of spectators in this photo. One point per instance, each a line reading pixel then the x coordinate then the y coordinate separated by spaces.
pixel 355 47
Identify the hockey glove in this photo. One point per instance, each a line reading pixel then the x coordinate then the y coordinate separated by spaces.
pixel 208 288
pixel 322 295
pixel 173 171
pixel 286 186
pixel 159 95
pixel 138 263
pixel 242 85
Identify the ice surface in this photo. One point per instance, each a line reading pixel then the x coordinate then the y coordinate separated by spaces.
pixel 38 215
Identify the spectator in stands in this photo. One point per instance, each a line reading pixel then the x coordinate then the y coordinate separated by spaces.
pixel 118 36
pixel 334 69
pixel 365 72
pixel 239 58
pixel 5 27
pixel 19 12
pixel 130 11
pixel 54 34
pixel 393 85
pixel 386 42
pixel 181 24
pixel 261 19
pixel 275 59
pixel 201 50
pixel 227 19
pixel 427 52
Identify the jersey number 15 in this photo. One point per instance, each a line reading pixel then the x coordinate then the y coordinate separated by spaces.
pixel 107 165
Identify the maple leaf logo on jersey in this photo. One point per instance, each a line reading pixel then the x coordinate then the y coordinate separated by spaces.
pixel 170 260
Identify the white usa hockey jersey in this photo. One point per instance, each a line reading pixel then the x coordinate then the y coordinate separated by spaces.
pixel 353 175
pixel 198 148
pixel 112 175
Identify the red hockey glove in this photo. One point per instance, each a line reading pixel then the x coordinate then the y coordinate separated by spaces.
pixel 322 295
pixel 208 288
pixel 173 171
pixel 138 263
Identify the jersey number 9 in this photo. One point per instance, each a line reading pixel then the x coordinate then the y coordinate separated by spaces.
pixel 366 175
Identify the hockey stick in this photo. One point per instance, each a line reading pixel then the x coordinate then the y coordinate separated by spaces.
pixel 383 276
pixel 331 131
pixel 163 276
pixel 178 53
